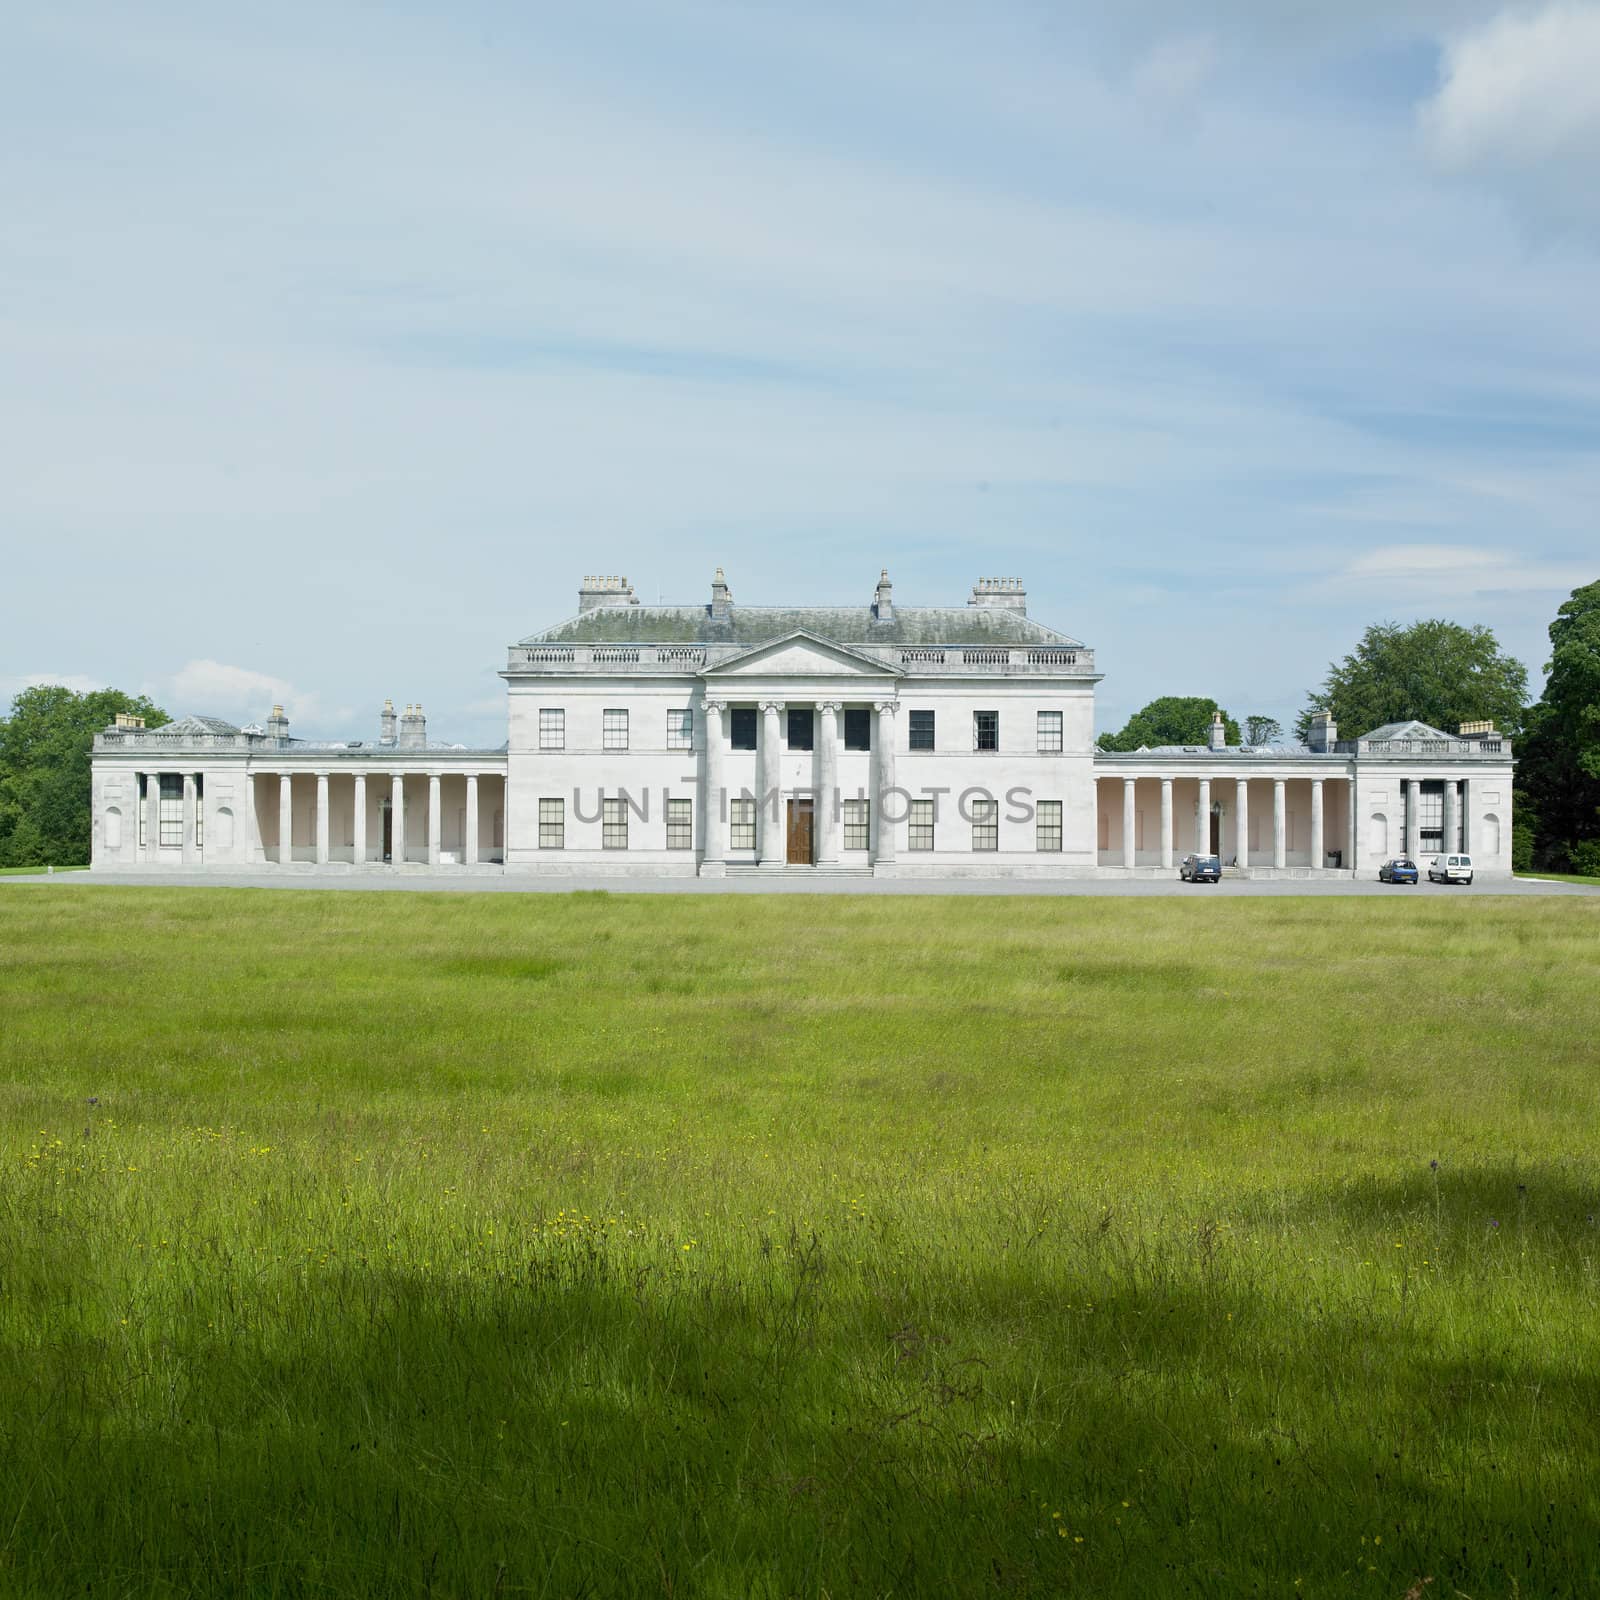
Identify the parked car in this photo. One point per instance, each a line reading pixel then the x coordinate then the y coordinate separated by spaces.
pixel 1399 870
pixel 1450 869
pixel 1200 869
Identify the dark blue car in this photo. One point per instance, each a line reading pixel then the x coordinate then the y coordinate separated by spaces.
pixel 1200 869
pixel 1399 870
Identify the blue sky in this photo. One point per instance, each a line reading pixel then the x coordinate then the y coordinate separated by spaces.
pixel 338 342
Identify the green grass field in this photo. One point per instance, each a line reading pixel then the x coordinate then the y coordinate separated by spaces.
pixel 18 872
pixel 1559 877
pixel 809 1246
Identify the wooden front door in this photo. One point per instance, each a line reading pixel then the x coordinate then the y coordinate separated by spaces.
pixel 388 834
pixel 1216 834
pixel 800 833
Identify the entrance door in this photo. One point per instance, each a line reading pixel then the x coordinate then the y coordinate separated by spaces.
pixel 388 834
pixel 1216 834
pixel 800 833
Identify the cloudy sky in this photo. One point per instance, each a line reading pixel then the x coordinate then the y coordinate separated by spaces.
pixel 337 342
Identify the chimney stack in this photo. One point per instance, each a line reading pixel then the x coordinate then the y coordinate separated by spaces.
pixel 721 597
pixel 386 733
pixel 606 592
pixel 1219 733
pixel 413 728
pixel 1323 733
pixel 1004 593
pixel 278 725
pixel 883 598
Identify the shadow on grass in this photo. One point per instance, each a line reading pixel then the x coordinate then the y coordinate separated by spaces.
pixel 565 1425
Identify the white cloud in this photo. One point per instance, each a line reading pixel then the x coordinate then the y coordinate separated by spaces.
pixel 78 682
pixel 1455 571
pixel 1518 101
pixel 212 687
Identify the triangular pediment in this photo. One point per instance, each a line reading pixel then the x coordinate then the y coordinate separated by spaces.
pixel 801 655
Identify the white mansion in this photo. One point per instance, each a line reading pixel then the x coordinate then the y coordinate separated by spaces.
pixel 720 738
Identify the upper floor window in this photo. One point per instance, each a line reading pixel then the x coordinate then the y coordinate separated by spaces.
pixel 680 825
pixel 985 824
pixel 552 728
pixel 921 728
pixel 680 730
pixel 799 727
pixel 552 824
pixel 1050 732
pixel 1047 825
pixel 857 728
pixel 614 824
pixel 985 730
pixel 919 835
pixel 742 736
pixel 616 728
pixel 857 825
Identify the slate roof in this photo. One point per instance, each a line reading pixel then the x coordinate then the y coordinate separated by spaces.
pixel 197 725
pixel 754 625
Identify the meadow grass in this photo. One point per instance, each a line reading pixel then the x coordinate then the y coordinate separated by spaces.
pixel 1560 877
pixel 807 1246
pixel 18 872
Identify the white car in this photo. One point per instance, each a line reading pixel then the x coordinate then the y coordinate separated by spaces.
pixel 1450 869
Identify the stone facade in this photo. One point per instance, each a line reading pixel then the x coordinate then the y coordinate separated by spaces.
pixel 718 738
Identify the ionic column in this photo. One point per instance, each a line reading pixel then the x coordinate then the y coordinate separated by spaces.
pixel 1241 822
pixel 433 819
pixel 358 831
pixel 883 752
pixel 1451 814
pixel 771 846
pixel 1413 817
pixel 285 818
pixel 322 819
pixel 252 823
pixel 1202 821
pixel 1316 823
pixel 713 821
pixel 1280 842
pixel 1352 823
pixel 470 849
pixel 397 818
pixel 828 782
pixel 1128 820
pixel 1166 823
pixel 189 800
pixel 1468 832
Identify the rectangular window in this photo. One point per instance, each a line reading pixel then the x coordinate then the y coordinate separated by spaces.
pixel 1047 823
pixel 1049 732
pixel 680 730
pixel 922 730
pixel 144 790
pixel 614 824
pixel 616 729
pixel 200 811
pixel 552 824
pixel 985 730
pixel 857 728
pixel 919 835
pixel 799 727
pixel 985 824
pixel 743 735
pixel 171 818
pixel 857 825
pixel 742 824
pixel 680 825
pixel 552 728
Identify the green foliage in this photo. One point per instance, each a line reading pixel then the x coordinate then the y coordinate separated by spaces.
pixel 1558 763
pixel 1442 673
pixel 1173 719
pixel 1262 730
pixel 44 770
pixel 349 1247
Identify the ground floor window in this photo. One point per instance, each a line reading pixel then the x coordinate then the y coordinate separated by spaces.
pixel 141 806
pixel 171 818
pixel 919 833
pixel 680 825
pixel 742 824
pixel 1430 819
pixel 200 811
pixel 985 824
pixel 856 825
pixel 552 824
pixel 614 824
pixel 1047 824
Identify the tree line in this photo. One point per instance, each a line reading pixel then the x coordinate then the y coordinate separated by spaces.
pixel 1442 673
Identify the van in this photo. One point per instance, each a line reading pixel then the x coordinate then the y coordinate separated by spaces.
pixel 1450 869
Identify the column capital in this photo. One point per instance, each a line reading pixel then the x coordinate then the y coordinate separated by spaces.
pixel 886 708
pixel 774 706
pixel 716 703
pixel 830 705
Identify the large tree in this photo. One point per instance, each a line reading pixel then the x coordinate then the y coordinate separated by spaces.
pixel 1441 673
pixel 1173 719
pixel 44 770
pixel 1558 763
